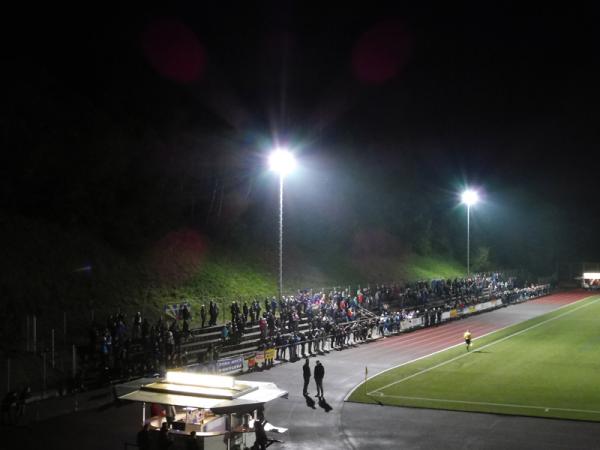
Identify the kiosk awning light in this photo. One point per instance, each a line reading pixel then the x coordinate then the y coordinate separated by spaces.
pixel 201 379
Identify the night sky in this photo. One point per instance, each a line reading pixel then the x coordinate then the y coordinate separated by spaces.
pixel 391 106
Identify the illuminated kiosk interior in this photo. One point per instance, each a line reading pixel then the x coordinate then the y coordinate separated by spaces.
pixel 220 409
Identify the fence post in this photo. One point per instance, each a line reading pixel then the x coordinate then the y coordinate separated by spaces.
pixel 28 327
pixel 34 334
pixel 64 328
pixel 53 348
pixel 74 368
pixel 43 375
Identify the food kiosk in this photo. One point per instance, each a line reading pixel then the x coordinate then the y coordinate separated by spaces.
pixel 219 409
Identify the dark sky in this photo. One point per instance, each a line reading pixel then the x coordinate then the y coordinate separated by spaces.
pixel 498 94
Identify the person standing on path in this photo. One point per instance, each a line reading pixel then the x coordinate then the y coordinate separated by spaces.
pixel 319 375
pixel 306 375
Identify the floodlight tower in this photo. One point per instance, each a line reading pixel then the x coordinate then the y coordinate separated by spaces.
pixel 282 162
pixel 469 197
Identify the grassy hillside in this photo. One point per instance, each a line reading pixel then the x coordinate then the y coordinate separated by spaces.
pixel 47 271
pixel 430 267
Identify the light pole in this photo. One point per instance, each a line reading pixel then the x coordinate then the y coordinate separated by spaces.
pixel 281 162
pixel 469 197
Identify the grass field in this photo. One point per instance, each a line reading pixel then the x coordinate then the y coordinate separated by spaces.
pixel 546 367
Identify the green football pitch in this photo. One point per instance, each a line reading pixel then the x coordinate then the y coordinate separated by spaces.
pixel 548 366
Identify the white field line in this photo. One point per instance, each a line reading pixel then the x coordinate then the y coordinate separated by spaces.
pixel 429 369
pixel 508 405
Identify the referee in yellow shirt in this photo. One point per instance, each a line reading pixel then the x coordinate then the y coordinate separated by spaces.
pixel 467 337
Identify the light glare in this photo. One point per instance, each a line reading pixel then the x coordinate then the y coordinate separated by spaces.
pixel 591 275
pixel 282 161
pixel 470 197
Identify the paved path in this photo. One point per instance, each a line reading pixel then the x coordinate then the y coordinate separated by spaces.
pixel 335 424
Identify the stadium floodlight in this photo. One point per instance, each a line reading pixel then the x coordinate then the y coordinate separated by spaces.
pixel 283 163
pixel 469 197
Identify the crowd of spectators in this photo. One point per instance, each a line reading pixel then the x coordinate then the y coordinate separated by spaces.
pixel 336 319
pixel 122 347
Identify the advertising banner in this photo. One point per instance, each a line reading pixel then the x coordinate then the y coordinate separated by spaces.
pixel 411 323
pixel 259 358
pixel 228 365
pixel 249 362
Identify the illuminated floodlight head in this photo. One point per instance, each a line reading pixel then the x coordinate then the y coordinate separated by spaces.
pixel 282 161
pixel 469 197
pixel 201 379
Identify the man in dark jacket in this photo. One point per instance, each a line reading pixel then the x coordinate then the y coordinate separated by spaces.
pixel 319 375
pixel 143 438
pixel 306 375
pixel 202 315
pixel 262 441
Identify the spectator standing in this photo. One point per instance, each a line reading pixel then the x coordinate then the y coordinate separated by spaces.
pixel 225 333
pixel 23 396
pixel 214 313
pixel 169 346
pixel 202 315
pixel 306 376
pixel 260 433
pixel 185 330
pixel 137 326
pixel 8 401
pixel 245 311
pixel 185 312
pixel 319 375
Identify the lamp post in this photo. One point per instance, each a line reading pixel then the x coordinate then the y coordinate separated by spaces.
pixel 469 197
pixel 281 162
